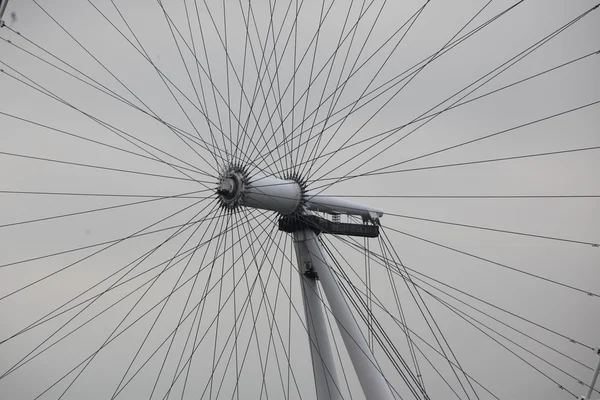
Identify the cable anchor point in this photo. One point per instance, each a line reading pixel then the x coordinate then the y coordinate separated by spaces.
pixel 309 271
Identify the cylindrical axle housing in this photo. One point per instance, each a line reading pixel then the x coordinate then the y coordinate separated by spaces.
pixel 284 196
pixel 236 188
pixel 269 193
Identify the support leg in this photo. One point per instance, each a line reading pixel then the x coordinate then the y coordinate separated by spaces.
pixel 588 396
pixel 325 375
pixel 371 379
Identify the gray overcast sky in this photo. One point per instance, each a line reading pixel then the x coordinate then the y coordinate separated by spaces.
pixel 133 101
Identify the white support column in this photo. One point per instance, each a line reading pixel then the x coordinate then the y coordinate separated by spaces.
pixel 373 384
pixel 326 381
pixel 3 4
pixel 590 391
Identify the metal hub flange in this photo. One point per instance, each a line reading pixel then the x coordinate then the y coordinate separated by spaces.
pixel 231 188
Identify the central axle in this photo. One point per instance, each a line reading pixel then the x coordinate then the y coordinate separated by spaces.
pixel 288 197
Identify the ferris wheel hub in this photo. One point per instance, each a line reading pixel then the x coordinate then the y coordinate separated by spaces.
pixel 287 196
pixel 231 186
pixel 237 188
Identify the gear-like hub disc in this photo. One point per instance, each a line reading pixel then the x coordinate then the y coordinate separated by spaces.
pixel 232 183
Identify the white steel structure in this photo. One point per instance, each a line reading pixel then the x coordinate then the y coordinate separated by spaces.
pixel 3 4
pixel 371 378
pixel 286 197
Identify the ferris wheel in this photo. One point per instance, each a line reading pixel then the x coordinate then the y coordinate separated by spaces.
pixel 299 199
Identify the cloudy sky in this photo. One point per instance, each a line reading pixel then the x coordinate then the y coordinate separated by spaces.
pixel 472 124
